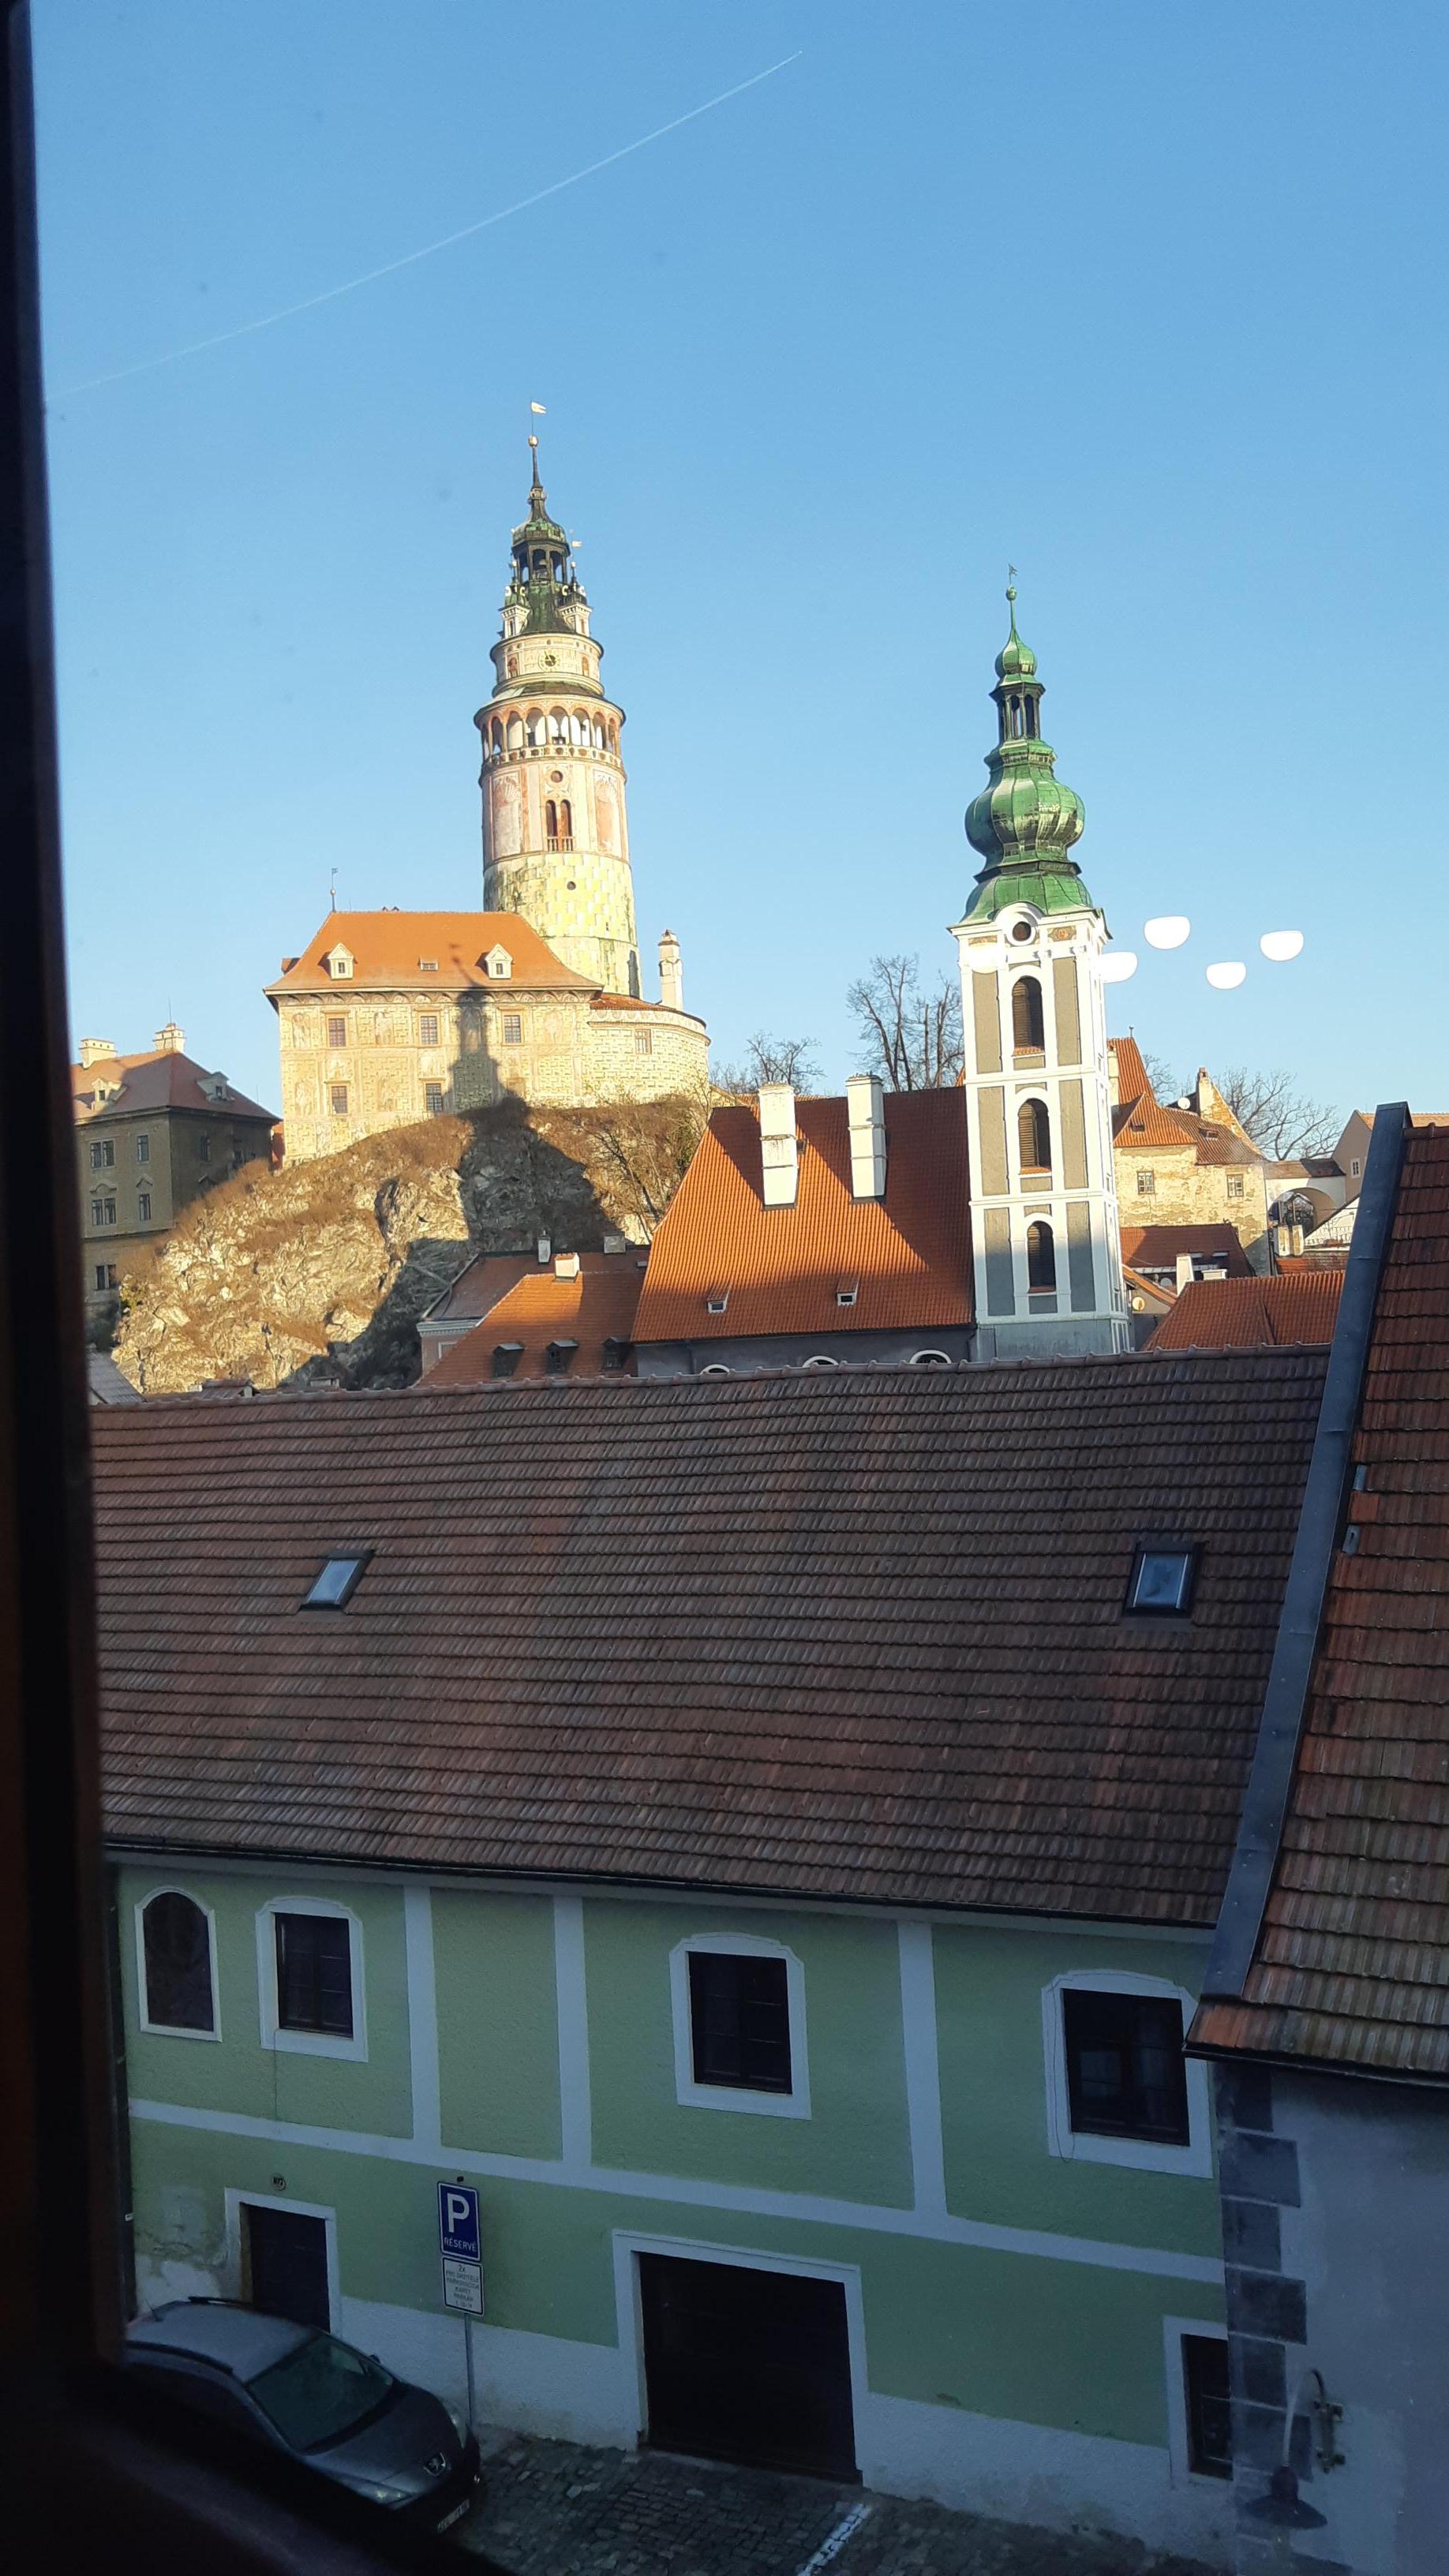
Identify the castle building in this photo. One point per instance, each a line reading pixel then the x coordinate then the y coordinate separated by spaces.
pixel 390 1017
pixel 152 1132
pixel 1046 1247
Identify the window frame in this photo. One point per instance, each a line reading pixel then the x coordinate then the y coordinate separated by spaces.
pixel 513 1028
pixel 1191 1550
pixel 1088 2146
pixel 336 1020
pixel 692 2095
pixel 171 2029
pixel 430 1020
pixel 333 1089
pixel 358 1558
pixel 1175 2331
pixel 143 1207
pixel 309 2043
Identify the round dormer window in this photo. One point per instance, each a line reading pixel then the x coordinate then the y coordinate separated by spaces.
pixel 1022 929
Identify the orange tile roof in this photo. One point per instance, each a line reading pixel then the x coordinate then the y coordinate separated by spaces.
pixel 1140 1119
pixel 1298 1307
pixel 1351 1963
pixel 541 1308
pixel 153 1082
pixel 908 1255
pixel 1156 1247
pixel 387 948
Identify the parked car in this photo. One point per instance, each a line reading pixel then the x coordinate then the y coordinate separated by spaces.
pixel 307 2393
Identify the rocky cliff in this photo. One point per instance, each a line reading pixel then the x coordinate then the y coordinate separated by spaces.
pixel 320 1274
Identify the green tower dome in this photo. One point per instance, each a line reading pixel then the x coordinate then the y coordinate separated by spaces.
pixel 542 580
pixel 1025 820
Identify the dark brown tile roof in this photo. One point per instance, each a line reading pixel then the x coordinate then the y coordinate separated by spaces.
pixel 908 1255
pixel 1251 1314
pixel 844 1634
pixel 1156 1247
pixel 539 1309
pixel 1352 1961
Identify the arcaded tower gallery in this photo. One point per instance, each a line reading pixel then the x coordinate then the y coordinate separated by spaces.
pixel 1046 1247
pixel 555 828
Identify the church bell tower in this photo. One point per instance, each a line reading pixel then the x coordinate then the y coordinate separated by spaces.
pixel 1045 1237
pixel 555 824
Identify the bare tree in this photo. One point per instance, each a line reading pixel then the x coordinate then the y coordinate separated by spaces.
pixel 768 1059
pixel 1164 1081
pixel 1283 1122
pixel 910 1033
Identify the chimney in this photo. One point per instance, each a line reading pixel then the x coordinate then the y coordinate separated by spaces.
pixel 865 1110
pixel 95 1050
pixel 545 1251
pixel 170 1040
pixel 671 973
pixel 1184 1270
pixel 779 1153
pixel 566 1265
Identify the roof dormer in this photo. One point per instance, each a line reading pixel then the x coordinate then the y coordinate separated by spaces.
pixel 498 963
pixel 339 963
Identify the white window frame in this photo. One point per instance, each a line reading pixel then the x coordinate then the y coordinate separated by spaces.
pixel 309 2043
pixel 1179 2450
pixel 932 1359
pixel 821 1359
pixel 1144 2155
pixel 794 2105
pixel 171 2029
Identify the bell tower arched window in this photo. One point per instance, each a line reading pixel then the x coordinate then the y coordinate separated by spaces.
pixel 1028 1029
pixel 1034 1136
pixel 550 821
pixel 1041 1260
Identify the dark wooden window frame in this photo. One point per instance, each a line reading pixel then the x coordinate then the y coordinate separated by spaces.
pixel 1096 2023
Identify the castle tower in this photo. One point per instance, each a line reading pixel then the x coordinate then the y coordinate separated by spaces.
pixel 555 825
pixel 1045 1238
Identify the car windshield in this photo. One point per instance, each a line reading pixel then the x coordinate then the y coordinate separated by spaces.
pixel 320 2392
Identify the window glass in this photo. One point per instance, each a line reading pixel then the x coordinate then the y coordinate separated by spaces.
pixel 1209 2410
pixel 176 1942
pixel 314 1973
pixel 203 1149
pixel 337 1030
pixel 143 1149
pixel 1147 1185
pixel 428 1028
pixel 1126 2076
pixel 512 1028
pixel 739 2020
pixel 339 1099
pixel 321 2391
pixel 143 1206
pixel 433 1098
pixel 1162 1579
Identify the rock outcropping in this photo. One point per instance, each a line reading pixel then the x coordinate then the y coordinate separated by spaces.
pixel 319 1274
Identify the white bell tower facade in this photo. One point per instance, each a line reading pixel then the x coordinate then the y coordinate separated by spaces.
pixel 1046 1240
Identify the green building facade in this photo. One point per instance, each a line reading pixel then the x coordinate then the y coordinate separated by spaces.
pixel 1015 2293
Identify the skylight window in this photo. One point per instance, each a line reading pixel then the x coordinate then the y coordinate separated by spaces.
pixel 1161 1581
pixel 847 1292
pixel 338 1580
pixel 427 965
pixel 716 1300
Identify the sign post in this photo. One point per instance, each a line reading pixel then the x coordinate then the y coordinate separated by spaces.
pixel 460 2246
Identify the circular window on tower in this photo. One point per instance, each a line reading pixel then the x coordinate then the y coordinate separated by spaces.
pixel 1022 930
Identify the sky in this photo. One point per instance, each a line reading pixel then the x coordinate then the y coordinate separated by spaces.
pixel 1144 298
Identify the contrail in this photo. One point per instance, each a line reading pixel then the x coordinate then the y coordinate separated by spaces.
pixel 329 295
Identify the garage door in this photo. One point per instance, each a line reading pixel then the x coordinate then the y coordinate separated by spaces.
pixel 747 2365
pixel 286 2264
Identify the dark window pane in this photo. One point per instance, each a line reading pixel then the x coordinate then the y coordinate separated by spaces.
pixel 175 1939
pixel 1125 2072
pixel 740 2021
pixel 314 1974
pixel 1209 2413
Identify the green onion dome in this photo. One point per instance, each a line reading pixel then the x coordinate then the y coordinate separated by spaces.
pixel 1025 820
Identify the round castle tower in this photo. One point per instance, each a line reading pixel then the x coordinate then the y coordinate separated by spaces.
pixel 555 822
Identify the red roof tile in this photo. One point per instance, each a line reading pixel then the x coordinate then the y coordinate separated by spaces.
pixel 1140 1118
pixel 541 1308
pixel 850 1633
pixel 1156 1247
pixel 909 1254
pixel 154 1082
pixel 1352 1961
pixel 1252 1314
pixel 388 949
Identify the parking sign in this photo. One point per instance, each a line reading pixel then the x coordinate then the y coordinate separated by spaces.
pixel 459 2240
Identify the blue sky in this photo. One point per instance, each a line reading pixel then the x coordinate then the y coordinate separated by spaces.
pixel 1147 298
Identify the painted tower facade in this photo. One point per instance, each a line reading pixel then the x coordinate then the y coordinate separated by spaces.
pixel 1045 1238
pixel 555 823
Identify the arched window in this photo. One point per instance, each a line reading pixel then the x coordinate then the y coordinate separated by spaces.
pixel 558 725
pixel 550 820
pixel 1034 1136
pixel 1041 1260
pixel 566 818
pixel 820 1361
pixel 1016 727
pixel 1030 719
pixel 613 735
pixel 931 1359
pixel 537 731
pixel 176 1963
pixel 1028 1031
pixel 515 733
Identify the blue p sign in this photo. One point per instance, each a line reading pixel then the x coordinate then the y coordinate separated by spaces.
pixel 458 2231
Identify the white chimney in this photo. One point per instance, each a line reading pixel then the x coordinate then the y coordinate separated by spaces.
pixel 779 1153
pixel 171 1040
pixel 566 1265
pixel 671 973
pixel 95 1050
pixel 865 1110
pixel 1184 1270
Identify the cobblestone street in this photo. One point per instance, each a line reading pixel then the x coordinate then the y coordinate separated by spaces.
pixel 557 2509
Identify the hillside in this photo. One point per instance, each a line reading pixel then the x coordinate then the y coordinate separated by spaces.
pixel 320 1273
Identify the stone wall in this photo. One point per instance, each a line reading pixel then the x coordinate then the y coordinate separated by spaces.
pixel 1188 1192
